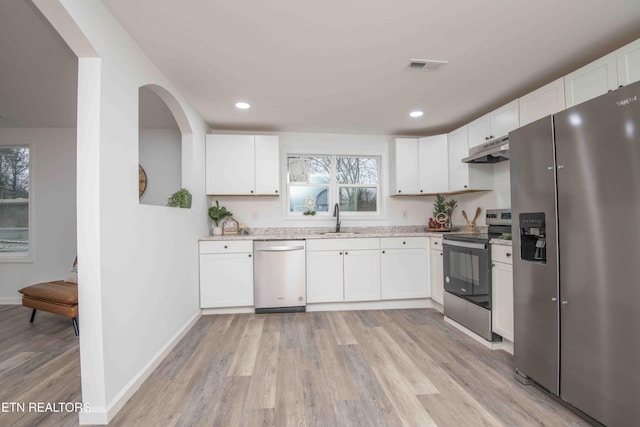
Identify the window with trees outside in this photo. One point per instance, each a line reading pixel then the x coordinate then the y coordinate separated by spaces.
pixel 317 183
pixel 14 200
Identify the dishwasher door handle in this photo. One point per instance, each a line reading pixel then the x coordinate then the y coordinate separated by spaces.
pixel 281 249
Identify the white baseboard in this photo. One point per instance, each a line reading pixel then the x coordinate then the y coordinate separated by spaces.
pixel 228 310
pixel 11 301
pixel 103 415
pixel 371 305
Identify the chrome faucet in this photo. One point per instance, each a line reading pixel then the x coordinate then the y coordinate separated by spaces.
pixel 336 213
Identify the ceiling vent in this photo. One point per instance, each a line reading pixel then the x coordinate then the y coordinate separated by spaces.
pixel 426 64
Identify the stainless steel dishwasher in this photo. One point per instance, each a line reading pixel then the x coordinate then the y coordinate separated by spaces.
pixel 280 278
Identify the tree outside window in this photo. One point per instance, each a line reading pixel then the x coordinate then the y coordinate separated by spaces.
pixel 14 199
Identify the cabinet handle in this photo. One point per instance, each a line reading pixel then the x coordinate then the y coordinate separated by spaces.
pixel 225 246
pixel 508 254
pixel 249 255
pixel 620 86
pixel 486 138
pixel 607 92
pixel 383 252
pixel 404 243
pixel 399 191
pixel 493 265
pixel 441 254
pixel 421 191
pixel 276 191
pixel 340 253
pixel 491 136
pixel 346 253
pixel 465 186
pixel 436 243
pixel 251 191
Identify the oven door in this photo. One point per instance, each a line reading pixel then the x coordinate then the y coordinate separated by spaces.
pixel 467 271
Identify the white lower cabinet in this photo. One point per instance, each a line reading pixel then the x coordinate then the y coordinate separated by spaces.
pixel 362 275
pixel 226 274
pixel 437 270
pixel 502 292
pixel 325 281
pixel 404 268
pixel 343 270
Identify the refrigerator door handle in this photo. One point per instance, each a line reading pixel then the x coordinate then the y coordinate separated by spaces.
pixel 554 299
pixel 565 302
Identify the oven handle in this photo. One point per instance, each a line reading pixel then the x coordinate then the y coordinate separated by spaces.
pixel 465 244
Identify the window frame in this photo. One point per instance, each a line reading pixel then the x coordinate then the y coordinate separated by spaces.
pixel 26 256
pixel 334 188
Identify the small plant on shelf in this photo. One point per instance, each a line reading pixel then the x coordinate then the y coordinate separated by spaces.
pixel 180 199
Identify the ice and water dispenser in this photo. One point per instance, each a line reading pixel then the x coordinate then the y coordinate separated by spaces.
pixel 532 237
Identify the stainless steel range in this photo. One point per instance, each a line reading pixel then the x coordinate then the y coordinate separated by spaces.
pixel 467 274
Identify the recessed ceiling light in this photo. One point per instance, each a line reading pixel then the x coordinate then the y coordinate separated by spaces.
pixel 416 113
pixel 243 105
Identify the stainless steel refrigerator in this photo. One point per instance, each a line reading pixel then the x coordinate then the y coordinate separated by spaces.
pixel 575 197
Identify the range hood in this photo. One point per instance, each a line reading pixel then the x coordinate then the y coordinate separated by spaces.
pixel 494 151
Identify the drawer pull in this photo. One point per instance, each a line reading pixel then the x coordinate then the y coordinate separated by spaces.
pixel 508 254
pixel 225 246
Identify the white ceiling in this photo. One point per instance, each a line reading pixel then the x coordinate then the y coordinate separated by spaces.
pixel 330 66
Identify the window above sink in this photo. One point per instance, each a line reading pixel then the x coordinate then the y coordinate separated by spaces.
pixel 351 181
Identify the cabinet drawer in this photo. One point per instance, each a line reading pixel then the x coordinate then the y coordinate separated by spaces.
pixel 502 253
pixel 226 246
pixel 436 243
pixel 404 243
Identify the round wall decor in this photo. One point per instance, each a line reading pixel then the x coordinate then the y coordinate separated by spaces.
pixel 142 181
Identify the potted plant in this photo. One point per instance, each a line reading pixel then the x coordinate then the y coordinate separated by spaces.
pixel 180 199
pixel 217 213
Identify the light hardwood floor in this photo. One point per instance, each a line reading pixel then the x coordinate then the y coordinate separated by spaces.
pixel 39 362
pixel 364 368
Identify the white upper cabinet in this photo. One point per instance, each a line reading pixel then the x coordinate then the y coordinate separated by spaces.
pixel 548 99
pixel 628 62
pixel 463 176
pixel 433 165
pixel 404 166
pixel 419 165
pixel 505 119
pixel 242 165
pixel 267 157
pixel 496 124
pixel 478 131
pixel 590 81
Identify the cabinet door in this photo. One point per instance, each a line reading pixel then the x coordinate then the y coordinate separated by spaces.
pixel 502 304
pixel 362 275
pixel 230 164
pixel 458 150
pixel 591 81
pixel 437 275
pixel 324 276
pixel 628 62
pixel 548 99
pixel 267 160
pixel 404 274
pixel 479 131
pixel 226 280
pixel 433 165
pixel 405 166
pixel 505 119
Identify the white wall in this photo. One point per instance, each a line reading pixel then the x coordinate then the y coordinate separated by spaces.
pixel 160 152
pixel 271 211
pixel 139 273
pixel 53 192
